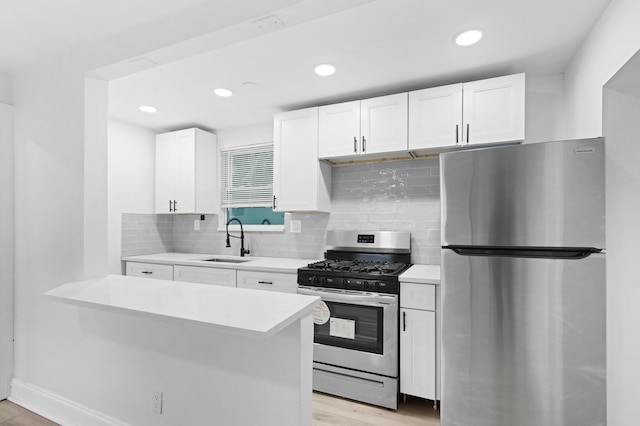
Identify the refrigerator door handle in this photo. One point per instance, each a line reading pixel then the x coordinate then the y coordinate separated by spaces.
pixel 530 252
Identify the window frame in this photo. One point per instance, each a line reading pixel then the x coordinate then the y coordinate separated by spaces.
pixel 222 216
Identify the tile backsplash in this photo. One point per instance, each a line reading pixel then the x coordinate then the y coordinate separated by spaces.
pixel 397 195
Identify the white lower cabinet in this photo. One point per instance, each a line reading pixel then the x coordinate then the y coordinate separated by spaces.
pixel 271 281
pixel 257 280
pixel 205 275
pixel 150 270
pixel 418 340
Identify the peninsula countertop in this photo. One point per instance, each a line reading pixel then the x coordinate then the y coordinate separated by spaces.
pixel 252 313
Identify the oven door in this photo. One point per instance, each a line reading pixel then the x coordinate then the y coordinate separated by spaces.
pixel 356 330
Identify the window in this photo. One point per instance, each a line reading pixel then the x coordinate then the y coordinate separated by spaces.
pixel 247 185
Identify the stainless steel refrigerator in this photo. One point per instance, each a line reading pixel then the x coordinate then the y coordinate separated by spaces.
pixel 523 285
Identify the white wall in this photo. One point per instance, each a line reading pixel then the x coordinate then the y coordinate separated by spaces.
pixel 611 43
pixel 6 248
pixel 131 158
pixel 614 39
pixel 245 135
pixel 545 115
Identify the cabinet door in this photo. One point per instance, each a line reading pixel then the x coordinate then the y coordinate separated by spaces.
pixel 300 181
pixel 270 281
pixel 418 353
pixel 435 117
pixel 166 177
pixel 493 109
pixel 150 270
pixel 204 275
pixel 185 173
pixel 383 124
pixel 339 130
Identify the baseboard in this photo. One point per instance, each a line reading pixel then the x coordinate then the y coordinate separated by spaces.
pixel 57 408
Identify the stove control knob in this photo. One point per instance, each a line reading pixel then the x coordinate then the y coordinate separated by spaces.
pixel 365 285
pixel 376 286
pixel 344 282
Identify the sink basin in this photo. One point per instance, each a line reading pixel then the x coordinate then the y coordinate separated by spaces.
pixel 223 260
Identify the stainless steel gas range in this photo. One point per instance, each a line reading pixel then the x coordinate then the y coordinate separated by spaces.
pixel 355 350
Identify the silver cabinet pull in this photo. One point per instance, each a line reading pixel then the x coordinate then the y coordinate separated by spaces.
pixel 364 144
pixel 457 140
pixel 467 132
pixel 265 282
pixel 355 144
pixel 147 272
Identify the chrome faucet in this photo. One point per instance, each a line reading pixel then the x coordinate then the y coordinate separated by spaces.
pixel 242 250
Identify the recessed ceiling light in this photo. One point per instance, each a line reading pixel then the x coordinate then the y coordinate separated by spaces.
pixel 325 69
pixel 225 93
pixel 468 38
pixel 147 108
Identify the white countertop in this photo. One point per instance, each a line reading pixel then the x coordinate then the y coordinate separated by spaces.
pixel 422 274
pixel 268 264
pixel 253 313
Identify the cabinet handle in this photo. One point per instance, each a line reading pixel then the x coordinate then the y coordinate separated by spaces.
pixel 265 282
pixel 170 206
pixel 355 144
pixel 404 321
pixel 175 206
pixel 364 144
pixel 274 202
pixel 457 134
pixel 467 132
pixel 147 272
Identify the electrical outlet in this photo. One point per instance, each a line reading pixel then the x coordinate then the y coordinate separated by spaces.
pixel 156 402
pixel 196 225
pixel 295 226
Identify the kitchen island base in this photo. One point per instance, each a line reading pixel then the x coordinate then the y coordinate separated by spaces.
pixel 207 373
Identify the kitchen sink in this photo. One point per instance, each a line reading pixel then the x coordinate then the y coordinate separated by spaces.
pixel 223 260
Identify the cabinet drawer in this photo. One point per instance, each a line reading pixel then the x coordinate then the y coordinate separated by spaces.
pixel 150 270
pixel 204 275
pixel 418 296
pixel 287 283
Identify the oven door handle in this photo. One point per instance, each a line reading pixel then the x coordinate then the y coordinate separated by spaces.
pixel 341 296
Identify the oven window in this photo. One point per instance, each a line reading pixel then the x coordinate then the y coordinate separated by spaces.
pixel 352 327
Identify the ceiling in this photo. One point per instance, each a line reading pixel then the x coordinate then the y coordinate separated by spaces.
pixel 378 47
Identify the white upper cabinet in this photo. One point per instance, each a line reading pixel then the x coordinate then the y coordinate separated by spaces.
pixel 371 126
pixel 186 167
pixel 493 110
pixel 435 117
pixel 484 111
pixel 300 181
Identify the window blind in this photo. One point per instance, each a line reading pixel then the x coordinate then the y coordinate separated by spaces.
pixel 247 176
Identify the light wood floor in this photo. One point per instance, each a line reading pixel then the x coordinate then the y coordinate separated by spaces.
pixel 327 410
pixel 14 415
pixel 330 410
